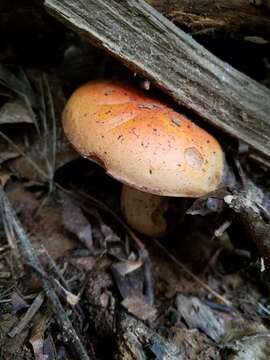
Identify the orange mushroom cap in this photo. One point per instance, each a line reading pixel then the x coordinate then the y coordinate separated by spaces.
pixel 141 141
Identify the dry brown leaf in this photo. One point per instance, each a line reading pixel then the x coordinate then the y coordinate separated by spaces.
pixel 15 111
pixel 8 155
pixel 138 306
pixel 75 221
pixel 126 267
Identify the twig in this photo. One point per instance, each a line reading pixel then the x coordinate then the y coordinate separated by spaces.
pixel 54 268
pixel 190 273
pixel 44 122
pixel 61 316
pixel 9 231
pixel 30 313
pixel 61 282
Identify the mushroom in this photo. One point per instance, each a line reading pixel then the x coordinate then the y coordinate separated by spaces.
pixel 156 152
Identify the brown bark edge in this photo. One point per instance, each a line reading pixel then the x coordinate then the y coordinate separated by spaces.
pixel 237 18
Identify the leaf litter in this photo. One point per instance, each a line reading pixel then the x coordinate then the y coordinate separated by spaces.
pixel 80 251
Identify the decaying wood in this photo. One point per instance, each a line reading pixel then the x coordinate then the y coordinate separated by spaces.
pixel 135 340
pixel 226 17
pixel 256 227
pixel 148 43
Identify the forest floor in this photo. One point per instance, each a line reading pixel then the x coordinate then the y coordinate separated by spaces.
pixel 62 236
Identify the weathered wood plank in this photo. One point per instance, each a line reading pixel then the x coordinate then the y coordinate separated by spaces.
pixel 148 43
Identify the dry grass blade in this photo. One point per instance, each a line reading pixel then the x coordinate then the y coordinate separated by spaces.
pixel 67 328
pixel 53 268
pixel 48 122
pixel 45 121
pixel 9 231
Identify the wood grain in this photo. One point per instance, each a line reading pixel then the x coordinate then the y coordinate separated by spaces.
pixel 150 44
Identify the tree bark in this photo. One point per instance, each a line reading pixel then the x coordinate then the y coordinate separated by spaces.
pixel 227 17
pixel 151 45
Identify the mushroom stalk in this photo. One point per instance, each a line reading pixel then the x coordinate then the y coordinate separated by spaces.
pixel 145 212
pixel 150 214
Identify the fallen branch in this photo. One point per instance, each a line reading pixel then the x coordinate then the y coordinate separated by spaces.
pixel 148 43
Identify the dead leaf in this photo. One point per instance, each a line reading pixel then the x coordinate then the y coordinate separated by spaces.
pixel 18 83
pixel 15 111
pixel 74 221
pixel 37 337
pixel 109 234
pixel 8 155
pixel 86 263
pixel 126 267
pixel 37 345
pixel 50 349
pixel 17 303
pixel 199 316
pixel 211 203
pixel 131 289
pixel 4 177
pixel 246 342
pixel 138 306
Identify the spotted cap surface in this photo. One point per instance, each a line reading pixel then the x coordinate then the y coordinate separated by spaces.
pixel 141 141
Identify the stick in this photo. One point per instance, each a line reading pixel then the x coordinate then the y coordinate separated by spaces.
pixel 30 313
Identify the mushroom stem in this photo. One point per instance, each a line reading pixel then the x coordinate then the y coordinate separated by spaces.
pixel 145 212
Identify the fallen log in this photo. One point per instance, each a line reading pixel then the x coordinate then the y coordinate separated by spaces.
pixel 148 43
